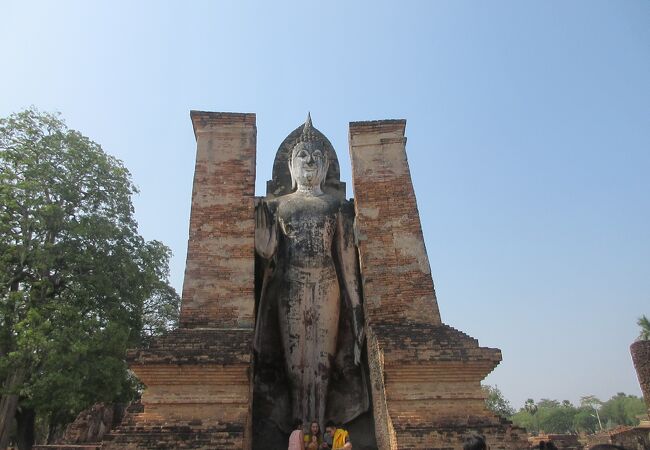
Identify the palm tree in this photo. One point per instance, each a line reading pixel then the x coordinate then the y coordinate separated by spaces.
pixel 644 323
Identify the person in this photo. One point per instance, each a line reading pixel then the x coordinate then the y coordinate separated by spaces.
pixel 297 439
pixel 340 437
pixel 475 442
pixel 313 439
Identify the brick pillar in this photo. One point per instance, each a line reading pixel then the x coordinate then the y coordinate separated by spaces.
pixel 219 282
pixel 425 375
pixel 397 281
pixel 198 377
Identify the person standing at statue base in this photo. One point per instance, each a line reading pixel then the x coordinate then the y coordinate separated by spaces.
pixel 314 439
pixel 297 438
pixel 340 437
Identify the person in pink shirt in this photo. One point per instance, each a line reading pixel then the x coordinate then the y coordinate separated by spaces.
pixel 297 438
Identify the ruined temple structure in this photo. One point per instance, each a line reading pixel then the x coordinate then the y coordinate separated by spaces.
pixel 305 304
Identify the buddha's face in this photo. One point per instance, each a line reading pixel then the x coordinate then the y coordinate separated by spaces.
pixel 308 165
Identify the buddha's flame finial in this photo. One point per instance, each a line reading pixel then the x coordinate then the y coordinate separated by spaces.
pixel 308 132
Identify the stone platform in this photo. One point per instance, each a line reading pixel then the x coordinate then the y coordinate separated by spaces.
pixel 198 392
pixel 96 446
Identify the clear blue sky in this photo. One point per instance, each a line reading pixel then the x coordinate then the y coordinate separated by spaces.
pixel 528 138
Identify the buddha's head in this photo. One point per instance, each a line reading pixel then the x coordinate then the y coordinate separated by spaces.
pixel 308 164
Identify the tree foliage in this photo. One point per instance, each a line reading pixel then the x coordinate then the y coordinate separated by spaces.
pixel 552 416
pixel 622 409
pixel 586 421
pixel 644 324
pixel 496 402
pixel 78 284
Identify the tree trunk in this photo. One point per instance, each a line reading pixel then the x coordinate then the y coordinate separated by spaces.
pixel 55 431
pixel 25 428
pixel 9 404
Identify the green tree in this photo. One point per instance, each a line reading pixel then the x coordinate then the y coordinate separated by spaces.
pixel 622 409
pixel 644 324
pixel 496 402
pixel 585 421
pixel 530 406
pixel 555 417
pixel 546 416
pixel 548 403
pixel 527 417
pixel 78 284
pixel 552 416
pixel 587 403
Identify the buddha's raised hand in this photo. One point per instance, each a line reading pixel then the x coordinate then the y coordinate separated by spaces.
pixel 266 233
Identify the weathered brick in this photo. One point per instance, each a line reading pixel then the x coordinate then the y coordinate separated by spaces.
pixel 219 275
pixel 425 375
pixel 198 378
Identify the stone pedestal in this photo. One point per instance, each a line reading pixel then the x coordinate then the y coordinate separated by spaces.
pixel 198 378
pixel 425 375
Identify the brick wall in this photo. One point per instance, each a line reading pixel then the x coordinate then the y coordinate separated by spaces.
pixel 198 378
pixel 425 376
pixel 219 275
pixel 394 265
pixel 640 351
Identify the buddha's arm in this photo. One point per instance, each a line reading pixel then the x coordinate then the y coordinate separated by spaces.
pixel 266 231
pixel 347 255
